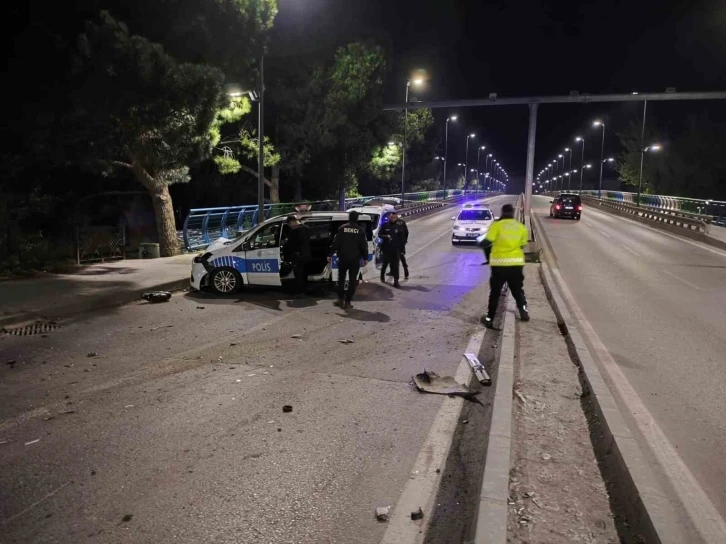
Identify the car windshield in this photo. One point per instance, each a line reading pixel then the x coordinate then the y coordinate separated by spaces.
pixel 475 215
pixel 570 200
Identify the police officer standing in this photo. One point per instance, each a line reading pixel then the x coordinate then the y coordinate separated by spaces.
pixel 507 237
pixel 402 254
pixel 297 251
pixel 351 246
pixel 394 237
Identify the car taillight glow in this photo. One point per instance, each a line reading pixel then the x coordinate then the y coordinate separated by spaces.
pixel 557 206
pixel 579 208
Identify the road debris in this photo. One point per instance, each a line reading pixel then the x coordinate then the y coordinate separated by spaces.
pixel 161 327
pixel 287 408
pixel 48 418
pixel 92 354
pixel 32 442
pixel 382 513
pixel 156 296
pixel 233 344
pixel 67 412
pixel 200 307
pixel 418 514
pixel 129 406
pixel 127 518
pixel 11 364
pixel 546 456
pixel 520 396
pixel 238 381
pixel 5 442
pixel 478 369
pixel 346 341
pixel 430 382
pixel 297 336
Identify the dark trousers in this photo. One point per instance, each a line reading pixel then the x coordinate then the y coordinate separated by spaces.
pixel 390 257
pixel 513 276
pixel 351 270
pixel 301 276
pixel 404 263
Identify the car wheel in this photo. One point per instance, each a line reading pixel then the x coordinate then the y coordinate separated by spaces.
pixel 577 217
pixel 225 281
pixel 551 214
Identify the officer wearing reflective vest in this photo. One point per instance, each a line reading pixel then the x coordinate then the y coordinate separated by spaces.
pixel 504 245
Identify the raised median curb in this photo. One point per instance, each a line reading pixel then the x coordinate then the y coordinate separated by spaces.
pixel 492 514
pixel 649 510
pixel 92 303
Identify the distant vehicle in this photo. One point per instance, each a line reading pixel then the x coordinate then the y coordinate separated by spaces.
pixel 470 224
pixel 566 205
pixel 256 258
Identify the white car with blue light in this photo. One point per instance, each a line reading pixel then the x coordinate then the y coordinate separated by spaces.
pixel 471 223
pixel 256 258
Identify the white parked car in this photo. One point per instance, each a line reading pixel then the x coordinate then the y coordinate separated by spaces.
pixel 256 258
pixel 471 223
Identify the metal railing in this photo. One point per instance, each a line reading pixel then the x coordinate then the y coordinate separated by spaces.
pixel 712 208
pixel 680 220
pixel 203 226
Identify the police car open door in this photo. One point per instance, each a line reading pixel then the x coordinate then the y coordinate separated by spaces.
pixel 262 256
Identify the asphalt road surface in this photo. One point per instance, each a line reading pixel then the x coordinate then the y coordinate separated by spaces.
pixel 174 430
pixel 658 302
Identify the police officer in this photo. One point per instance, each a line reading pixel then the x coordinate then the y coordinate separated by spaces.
pixel 297 251
pixel 508 238
pixel 351 246
pixel 394 237
pixel 402 255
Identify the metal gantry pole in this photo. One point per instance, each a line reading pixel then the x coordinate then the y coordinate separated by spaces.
pixel 569 174
pixel 446 149
pixel 602 158
pixel 582 165
pixel 261 147
pixel 642 153
pixel 528 180
pixel 466 164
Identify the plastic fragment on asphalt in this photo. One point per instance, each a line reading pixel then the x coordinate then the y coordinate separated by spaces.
pixel 346 341
pixel 156 296
pixel 287 408
pixel 418 514
pixel 546 456
pixel 200 307
pixel 297 336
pixel 382 513
pixel 32 442
pixel 92 354
pixel 161 327
pixel 430 382
pixel 127 518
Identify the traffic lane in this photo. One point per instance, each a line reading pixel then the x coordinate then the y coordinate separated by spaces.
pixel 50 370
pixel 667 337
pixel 194 440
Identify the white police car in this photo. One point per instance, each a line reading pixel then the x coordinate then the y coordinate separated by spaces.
pixel 379 216
pixel 255 258
pixel 471 223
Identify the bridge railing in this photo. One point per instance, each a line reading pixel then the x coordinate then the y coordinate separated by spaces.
pixel 203 226
pixel 700 207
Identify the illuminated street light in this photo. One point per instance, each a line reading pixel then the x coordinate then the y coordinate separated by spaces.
pixel 599 123
pixel 466 160
pixel 446 144
pixel 651 147
pixel 416 81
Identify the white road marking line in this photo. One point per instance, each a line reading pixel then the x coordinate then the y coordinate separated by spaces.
pixel 628 248
pixel 421 487
pixel 605 234
pixel 36 503
pixel 672 275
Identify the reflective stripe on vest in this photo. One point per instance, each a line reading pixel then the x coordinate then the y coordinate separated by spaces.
pixel 506 261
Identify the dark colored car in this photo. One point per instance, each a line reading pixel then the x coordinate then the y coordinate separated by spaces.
pixel 566 205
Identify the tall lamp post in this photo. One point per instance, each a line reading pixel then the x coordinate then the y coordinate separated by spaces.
pixel 466 161
pixel 478 160
pixel 486 167
pixel 562 170
pixel 446 145
pixel 582 160
pixel 569 181
pixel 643 151
pixel 602 154
pixel 405 138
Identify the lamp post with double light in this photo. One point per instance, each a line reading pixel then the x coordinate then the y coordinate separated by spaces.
pixel 466 161
pixel 446 145
pixel 643 151
pixel 599 123
pixel 405 138
pixel 582 160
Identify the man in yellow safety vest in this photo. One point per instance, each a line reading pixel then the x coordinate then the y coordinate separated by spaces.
pixel 507 237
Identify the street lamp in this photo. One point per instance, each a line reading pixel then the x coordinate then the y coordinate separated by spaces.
pixel 446 145
pixel 643 151
pixel 405 138
pixel 569 182
pixel 478 154
pixel 602 152
pixel 466 161
pixel 582 160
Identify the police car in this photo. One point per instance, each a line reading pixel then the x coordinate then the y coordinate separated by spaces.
pixel 471 223
pixel 256 258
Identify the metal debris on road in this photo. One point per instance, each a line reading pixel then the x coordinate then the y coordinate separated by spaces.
pixel 346 341
pixel 546 456
pixel 287 408
pixel 129 406
pixel 382 513
pixel 161 327
pixel 67 412
pixel 418 514
pixel 297 336
pixel 156 296
pixel 92 354
pixel 478 369
pixel 48 418
pixel 200 307
pixel 430 382
pixel 32 442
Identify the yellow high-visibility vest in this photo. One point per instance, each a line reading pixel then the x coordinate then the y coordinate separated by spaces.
pixel 508 238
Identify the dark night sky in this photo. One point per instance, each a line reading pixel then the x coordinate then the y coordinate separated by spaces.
pixel 528 47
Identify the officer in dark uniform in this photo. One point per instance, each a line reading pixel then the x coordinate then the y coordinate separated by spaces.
pixel 351 246
pixel 297 251
pixel 402 255
pixel 393 237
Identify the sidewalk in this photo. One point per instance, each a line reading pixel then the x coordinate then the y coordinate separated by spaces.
pixel 93 287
